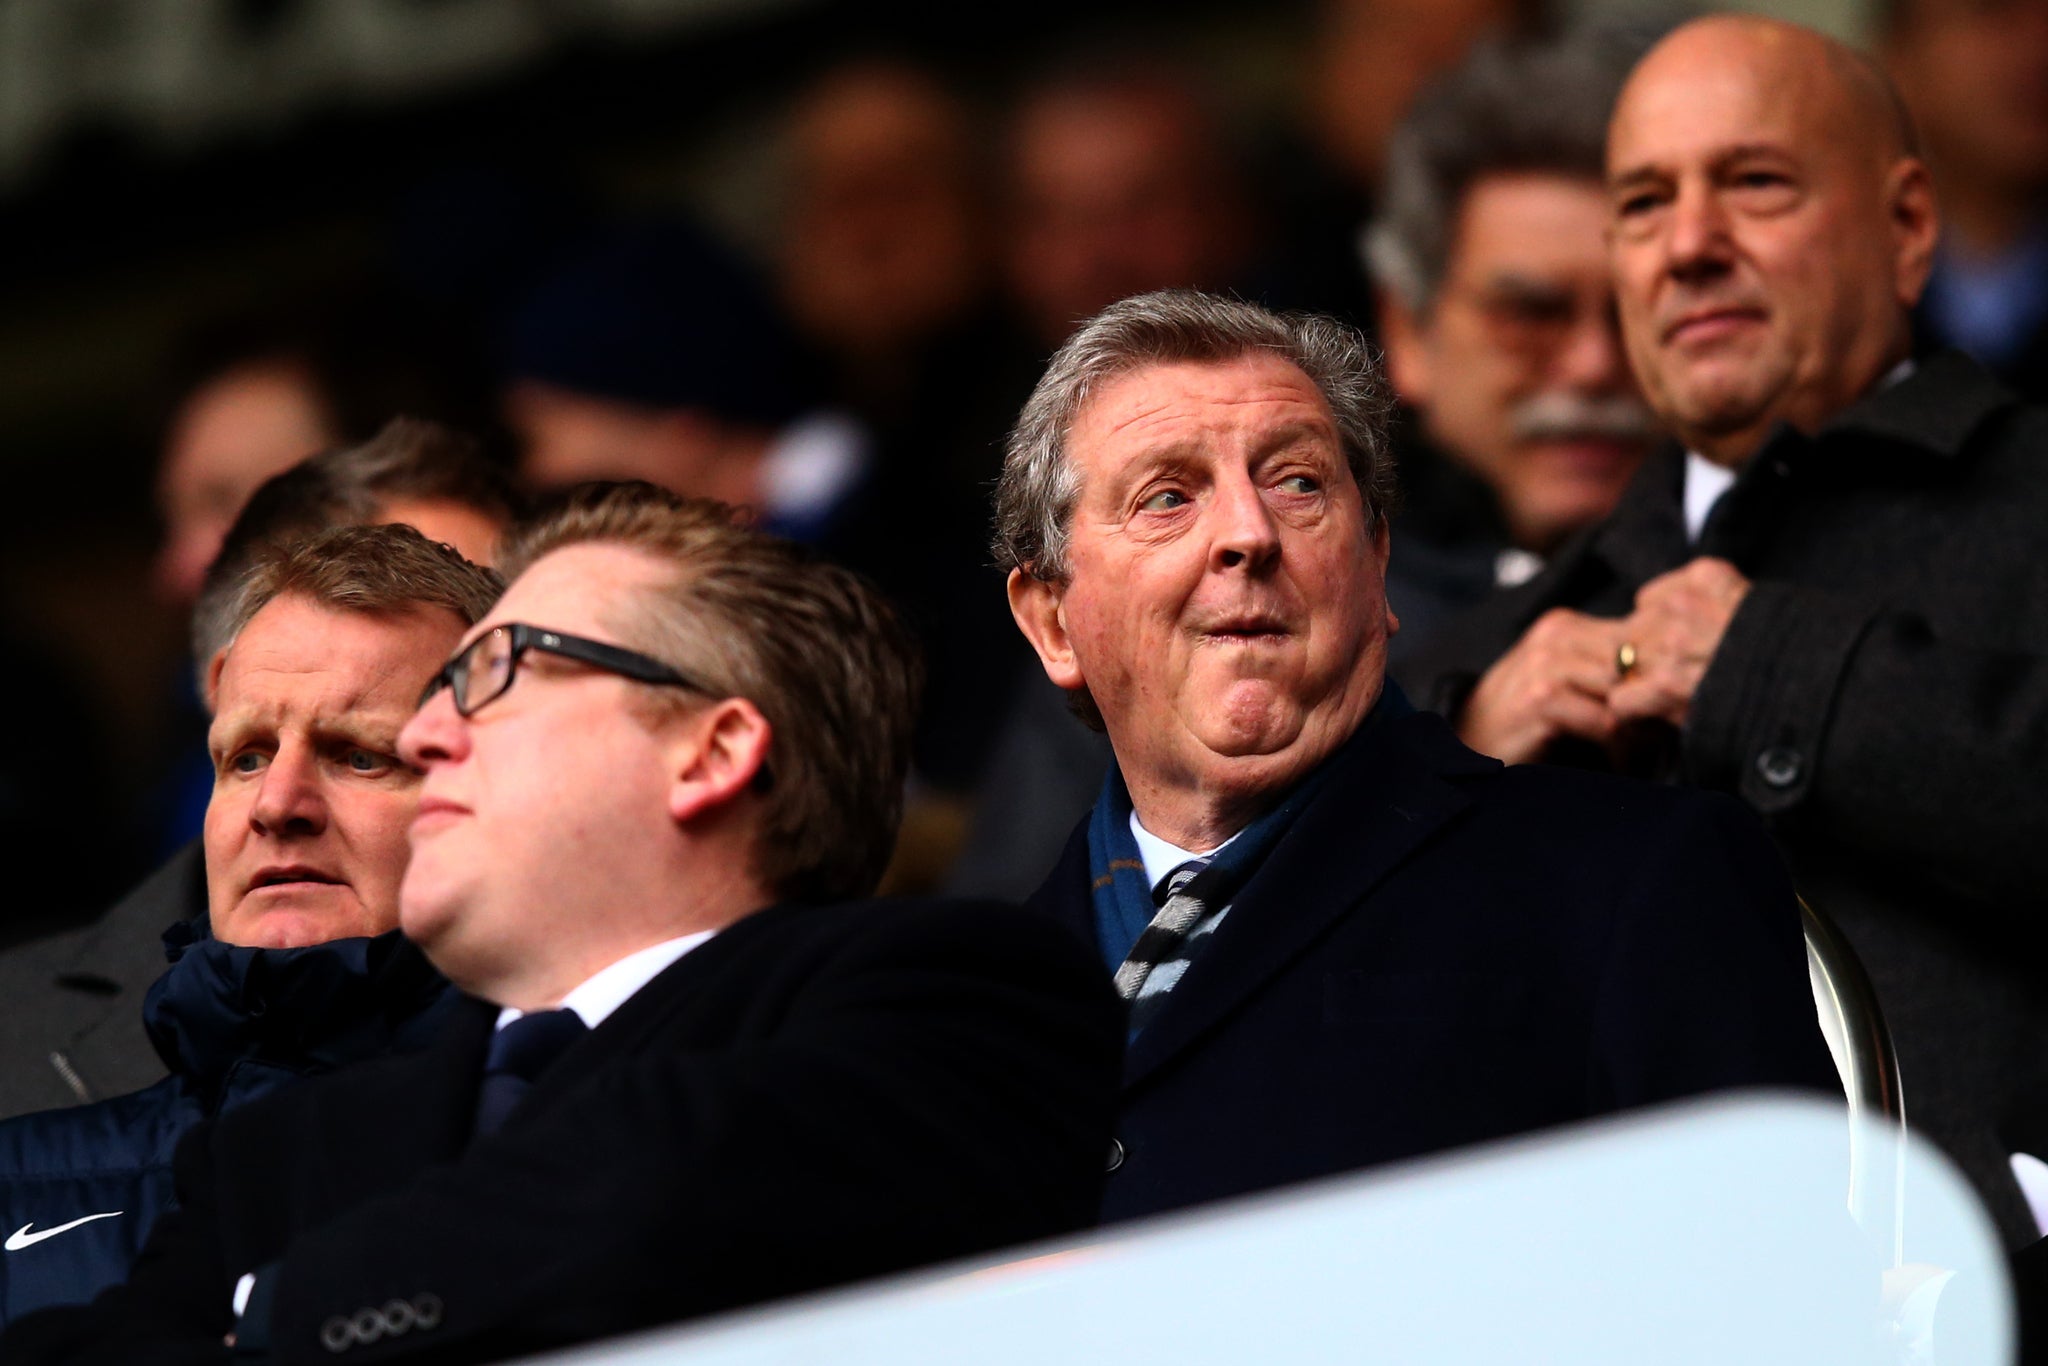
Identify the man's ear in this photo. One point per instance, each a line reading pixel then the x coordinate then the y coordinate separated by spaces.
pixel 1407 354
pixel 1040 610
pixel 1382 545
pixel 212 688
pixel 718 754
pixel 1916 223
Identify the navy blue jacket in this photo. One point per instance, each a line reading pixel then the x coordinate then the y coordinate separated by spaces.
pixel 80 1188
pixel 1443 951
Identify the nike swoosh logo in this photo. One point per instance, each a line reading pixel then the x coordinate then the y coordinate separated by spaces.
pixel 22 1238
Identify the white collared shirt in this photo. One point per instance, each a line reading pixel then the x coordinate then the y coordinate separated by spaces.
pixel 610 988
pixel 1706 481
pixel 1161 858
pixel 601 994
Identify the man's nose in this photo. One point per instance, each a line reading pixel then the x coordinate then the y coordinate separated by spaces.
pixel 289 798
pixel 1697 243
pixel 1242 531
pixel 435 734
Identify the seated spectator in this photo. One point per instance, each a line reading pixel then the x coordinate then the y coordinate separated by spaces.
pixel 1490 255
pixel 1827 598
pixel 1120 180
pixel 883 248
pixel 75 1030
pixel 691 1073
pixel 657 354
pixel 1975 76
pixel 1346 939
pixel 296 967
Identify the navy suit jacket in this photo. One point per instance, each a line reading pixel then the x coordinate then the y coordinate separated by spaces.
pixel 1442 951
pixel 816 1094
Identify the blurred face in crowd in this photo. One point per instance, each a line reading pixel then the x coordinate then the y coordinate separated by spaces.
pixel 1225 604
pixel 1975 73
pixel 544 804
pixel 567 438
pixel 230 435
pixel 1768 234
pixel 1115 191
pixel 305 834
pixel 882 244
pixel 1517 368
pixel 1372 56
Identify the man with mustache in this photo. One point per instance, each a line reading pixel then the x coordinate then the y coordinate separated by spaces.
pixel 1490 261
pixel 1345 938
pixel 1828 597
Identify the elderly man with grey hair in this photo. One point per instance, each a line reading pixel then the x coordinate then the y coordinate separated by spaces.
pixel 1497 312
pixel 1346 939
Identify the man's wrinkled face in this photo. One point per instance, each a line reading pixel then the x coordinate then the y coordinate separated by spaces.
pixel 229 435
pixel 306 832
pixel 1518 368
pixel 1761 265
pixel 1225 603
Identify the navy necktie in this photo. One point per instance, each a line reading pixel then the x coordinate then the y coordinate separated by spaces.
pixel 519 1053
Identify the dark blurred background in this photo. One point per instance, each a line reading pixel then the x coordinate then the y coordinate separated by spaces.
pixel 368 196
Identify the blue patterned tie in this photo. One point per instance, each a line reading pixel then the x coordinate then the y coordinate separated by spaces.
pixel 519 1053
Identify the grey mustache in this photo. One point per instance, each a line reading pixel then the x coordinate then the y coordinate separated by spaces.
pixel 1564 417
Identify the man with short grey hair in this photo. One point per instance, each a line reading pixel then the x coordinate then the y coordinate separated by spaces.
pixel 294 966
pixel 1346 939
pixel 1490 259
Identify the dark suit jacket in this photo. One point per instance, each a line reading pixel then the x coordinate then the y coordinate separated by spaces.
pixel 1441 951
pixel 814 1095
pixel 1881 697
pixel 72 1027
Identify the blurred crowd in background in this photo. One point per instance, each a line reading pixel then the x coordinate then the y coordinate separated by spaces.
pixel 808 260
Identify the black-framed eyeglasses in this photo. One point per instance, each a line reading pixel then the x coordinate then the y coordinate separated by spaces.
pixel 484 670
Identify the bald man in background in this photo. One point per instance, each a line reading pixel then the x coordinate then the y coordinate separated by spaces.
pixel 1826 597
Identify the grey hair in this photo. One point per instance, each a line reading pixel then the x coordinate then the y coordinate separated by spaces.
pixel 1036 495
pixel 1509 107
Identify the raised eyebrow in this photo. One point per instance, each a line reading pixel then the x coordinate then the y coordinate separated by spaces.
pixel 227 735
pixel 1287 439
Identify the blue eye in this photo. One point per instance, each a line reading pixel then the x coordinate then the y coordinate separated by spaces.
pixel 1164 501
pixel 248 761
pixel 1301 483
pixel 366 761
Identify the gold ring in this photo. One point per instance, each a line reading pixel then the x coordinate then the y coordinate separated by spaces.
pixel 1625 659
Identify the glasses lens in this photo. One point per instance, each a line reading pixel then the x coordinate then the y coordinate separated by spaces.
pixel 487 670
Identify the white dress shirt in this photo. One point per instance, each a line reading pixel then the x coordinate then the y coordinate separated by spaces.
pixel 610 988
pixel 1161 858
pixel 1706 481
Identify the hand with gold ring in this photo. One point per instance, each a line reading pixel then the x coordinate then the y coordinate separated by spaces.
pixel 1552 684
pixel 1671 637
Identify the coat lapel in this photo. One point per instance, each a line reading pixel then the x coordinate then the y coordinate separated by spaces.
pixel 1390 793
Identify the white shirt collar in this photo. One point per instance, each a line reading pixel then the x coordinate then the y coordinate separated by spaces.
pixel 1706 481
pixel 1161 858
pixel 611 987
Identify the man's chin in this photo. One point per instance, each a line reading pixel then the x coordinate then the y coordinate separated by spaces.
pixel 298 926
